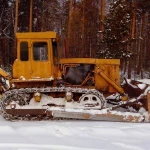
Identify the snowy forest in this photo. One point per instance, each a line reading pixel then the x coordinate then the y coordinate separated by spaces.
pixel 86 28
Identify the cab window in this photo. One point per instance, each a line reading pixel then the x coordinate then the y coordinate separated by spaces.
pixel 24 51
pixel 55 51
pixel 40 51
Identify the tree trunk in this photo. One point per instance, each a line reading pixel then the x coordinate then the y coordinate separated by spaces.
pixel 16 17
pixel 31 13
pixel 102 18
pixel 132 46
pixel 69 27
pixel 134 19
pixel 141 39
pixel 83 29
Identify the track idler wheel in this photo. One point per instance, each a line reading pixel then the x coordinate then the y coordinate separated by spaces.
pixel 92 100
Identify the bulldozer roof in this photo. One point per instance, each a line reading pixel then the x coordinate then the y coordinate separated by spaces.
pixel 36 35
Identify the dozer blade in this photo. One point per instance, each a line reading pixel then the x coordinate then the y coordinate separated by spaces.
pixel 69 113
pixel 100 115
pixel 26 112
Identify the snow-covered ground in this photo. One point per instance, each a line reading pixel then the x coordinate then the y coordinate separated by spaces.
pixel 73 135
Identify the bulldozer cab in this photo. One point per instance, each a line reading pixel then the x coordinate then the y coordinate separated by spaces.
pixel 37 56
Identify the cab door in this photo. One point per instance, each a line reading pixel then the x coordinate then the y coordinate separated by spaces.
pixel 41 64
pixel 22 65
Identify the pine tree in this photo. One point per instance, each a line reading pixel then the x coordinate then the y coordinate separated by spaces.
pixel 6 31
pixel 117 28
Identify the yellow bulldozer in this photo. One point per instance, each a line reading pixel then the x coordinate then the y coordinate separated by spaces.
pixel 44 87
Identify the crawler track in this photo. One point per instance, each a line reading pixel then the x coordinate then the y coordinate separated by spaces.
pixel 22 97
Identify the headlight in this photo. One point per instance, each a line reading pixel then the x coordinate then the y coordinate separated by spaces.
pixel 37 96
pixel 68 96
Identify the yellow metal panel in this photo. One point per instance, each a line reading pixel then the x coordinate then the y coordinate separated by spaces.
pixel 108 61
pixel 31 80
pixel 36 35
pixel 114 76
pixel 100 82
pixel 21 69
pixel 77 61
pixel 90 61
pixel 41 69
